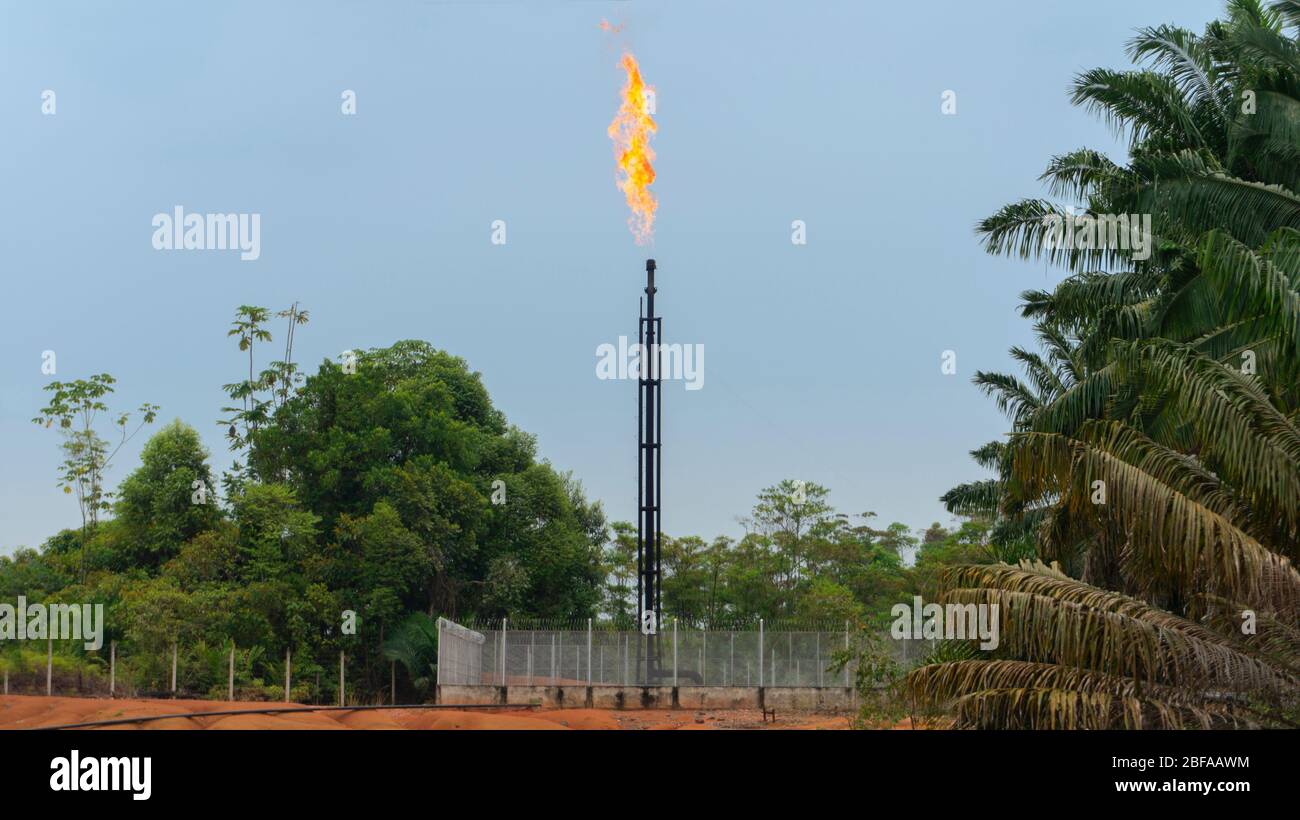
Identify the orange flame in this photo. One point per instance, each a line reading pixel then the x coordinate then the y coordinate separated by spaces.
pixel 631 131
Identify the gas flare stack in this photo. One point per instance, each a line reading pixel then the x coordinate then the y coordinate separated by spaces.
pixel 649 477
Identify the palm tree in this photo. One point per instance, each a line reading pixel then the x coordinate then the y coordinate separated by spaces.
pixel 414 644
pixel 1046 379
pixel 1164 474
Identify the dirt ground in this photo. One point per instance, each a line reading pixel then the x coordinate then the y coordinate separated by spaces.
pixel 27 712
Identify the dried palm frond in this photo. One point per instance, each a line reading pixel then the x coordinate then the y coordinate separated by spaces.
pixel 1038 708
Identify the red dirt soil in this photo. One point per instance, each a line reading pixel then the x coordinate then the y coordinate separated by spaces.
pixel 27 712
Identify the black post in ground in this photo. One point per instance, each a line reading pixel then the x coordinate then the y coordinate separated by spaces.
pixel 649 428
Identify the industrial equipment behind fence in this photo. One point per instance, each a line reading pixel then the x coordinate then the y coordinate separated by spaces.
pixel 595 656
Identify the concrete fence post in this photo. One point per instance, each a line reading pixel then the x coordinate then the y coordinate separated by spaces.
pixel 112 668
pixel 846 649
pixel 343 697
pixel 760 653
pixel 589 652
pixel 173 669
pixel 392 682
pixel 704 655
pixel 674 651
pixel 49 665
pixel 820 681
pixel 288 661
pixel 230 686
pixel 504 681
pixel 731 664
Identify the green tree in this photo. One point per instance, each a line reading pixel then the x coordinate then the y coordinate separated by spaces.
pixel 77 407
pixel 414 428
pixel 620 573
pixel 170 498
pixel 1167 475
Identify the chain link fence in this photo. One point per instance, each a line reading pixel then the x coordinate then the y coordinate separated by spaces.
pixel 500 655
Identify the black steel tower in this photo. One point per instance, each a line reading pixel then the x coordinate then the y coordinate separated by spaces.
pixel 649 428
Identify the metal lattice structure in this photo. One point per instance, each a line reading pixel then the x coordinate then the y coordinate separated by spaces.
pixel 650 663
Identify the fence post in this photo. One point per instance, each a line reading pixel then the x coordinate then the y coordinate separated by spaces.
pixel 846 649
pixel 6 681
pixel 342 680
pixel 393 683
pixel 173 669
pixel 589 652
pixel 674 651
pixel 820 681
pixel 230 686
pixel 504 681
pixel 49 664
pixel 112 668
pixel 760 653
pixel 288 660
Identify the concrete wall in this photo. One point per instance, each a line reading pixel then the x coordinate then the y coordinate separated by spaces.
pixel 552 697
pixel 782 699
pixel 810 699
pixel 471 695
pixel 631 697
pixel 719 697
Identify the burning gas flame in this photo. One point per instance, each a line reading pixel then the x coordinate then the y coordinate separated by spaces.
pixel 631 131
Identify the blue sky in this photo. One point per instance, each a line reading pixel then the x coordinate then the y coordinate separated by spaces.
pixel 822 360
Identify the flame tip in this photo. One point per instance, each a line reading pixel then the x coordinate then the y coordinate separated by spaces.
pixel 631 130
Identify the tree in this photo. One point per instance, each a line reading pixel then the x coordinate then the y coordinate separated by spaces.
pixel 275 534
pixel 76 406
pixel 412 427
pixel 414 644
pixel 620 574
pixel 793 515
pixel 249 327
pixel 278 380
pixel 165 502
pixel 1167 474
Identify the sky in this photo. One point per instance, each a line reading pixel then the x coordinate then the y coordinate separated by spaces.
pixel 822 360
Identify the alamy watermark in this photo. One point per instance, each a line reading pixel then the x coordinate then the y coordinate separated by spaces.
pixel 966 622
pixel 179 231
pixel 1095 232
pixel 102 774
pixel 678 362
pixel 62 622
